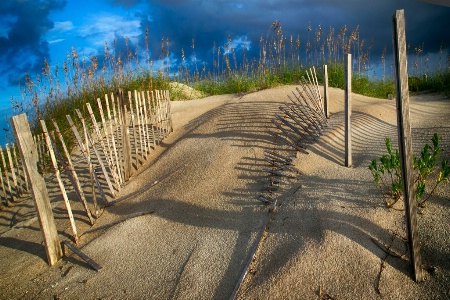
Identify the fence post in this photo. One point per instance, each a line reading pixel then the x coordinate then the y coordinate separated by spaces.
pixel 325 92
pixel 59 179
pixel 11 195
pixel 39 191
pixel 74 176
pixel 405 142
pixel 348 110
pixel 13 171
pixel 126 147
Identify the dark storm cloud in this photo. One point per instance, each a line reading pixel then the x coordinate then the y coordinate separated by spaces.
pixel 22 48
pixel 212 21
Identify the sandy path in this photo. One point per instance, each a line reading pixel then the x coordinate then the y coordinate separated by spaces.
pixel 191 216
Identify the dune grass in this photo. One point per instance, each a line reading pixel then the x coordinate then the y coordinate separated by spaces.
pixel 59 90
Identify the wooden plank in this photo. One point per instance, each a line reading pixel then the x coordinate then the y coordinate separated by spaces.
pixel 13 171
pixel 102 166
pixel 113 139
pixel 159 114
pixel 313 87
pixel 316 117
pixel 146 120
pixel 21 177
pixel 167 113
pixel 87 157
pixel 133 126
pixel 303 113
pixel 325 92
pixel 309 103
pixel 170 111
pixel 142 112
pixel 155 117
pixel 5 170
pixel 5 193
pixel 25 178
pixel 85 145
pixel 126 147
pixel 39 191
pixel 83 256
pixel 108 144
pixel 50 147
pixel 118 152
pixel 405 142
pixel 348 110
pixel 152 116
pixel 106 153
pixel 143 125
pixel 313 102
pixel 73 174
pixel 309 92
pixel 316 83
pixel 139 124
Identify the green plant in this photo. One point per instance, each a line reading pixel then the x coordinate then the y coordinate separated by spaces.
pixel 390 166
pixel 388 177
pixel 426 165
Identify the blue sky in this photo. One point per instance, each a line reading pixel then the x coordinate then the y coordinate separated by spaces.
pixel 31 31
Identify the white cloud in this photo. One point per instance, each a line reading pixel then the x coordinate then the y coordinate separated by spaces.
pixel 239 43
pixel 104 28
pixel 55 41
pixel 63 26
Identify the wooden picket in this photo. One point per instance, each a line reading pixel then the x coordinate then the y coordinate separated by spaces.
pixel 145 116
pixel 59 179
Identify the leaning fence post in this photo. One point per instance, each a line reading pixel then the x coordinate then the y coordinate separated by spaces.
pixel 74 176
pixel 405 142
pixel 39 191
pixel 348 110
pixel 11 195
pixel 13 171
pixel 59 179
pixel 126 147
pixel 325 92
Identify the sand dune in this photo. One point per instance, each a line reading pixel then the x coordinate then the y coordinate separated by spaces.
pixel 189 219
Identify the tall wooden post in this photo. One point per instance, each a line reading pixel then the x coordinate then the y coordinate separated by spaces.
pixel 39 192
pixel 405 142
pixel 126 146
pixel 348 110
pixel 325 92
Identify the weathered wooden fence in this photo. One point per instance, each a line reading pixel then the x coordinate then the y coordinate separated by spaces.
pixel 114 139
pixel 299 122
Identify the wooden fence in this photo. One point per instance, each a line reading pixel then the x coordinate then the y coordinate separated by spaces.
pixel 113 140
pixel 300 121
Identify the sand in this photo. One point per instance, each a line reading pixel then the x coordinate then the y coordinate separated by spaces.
pixel 186 223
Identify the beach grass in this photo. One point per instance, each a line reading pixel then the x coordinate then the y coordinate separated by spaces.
pixel 61 89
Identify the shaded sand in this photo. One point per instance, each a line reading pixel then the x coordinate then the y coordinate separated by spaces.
pixel 185 225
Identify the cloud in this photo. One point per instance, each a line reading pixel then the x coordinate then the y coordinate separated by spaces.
pixel 22 48
pixel 55 41
pixel 63 26
pixel 106 27
pixel 210 22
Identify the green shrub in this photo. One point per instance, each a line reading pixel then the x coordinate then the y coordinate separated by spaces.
pixel 428 175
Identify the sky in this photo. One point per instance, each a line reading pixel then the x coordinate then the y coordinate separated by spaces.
pixel 34 30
